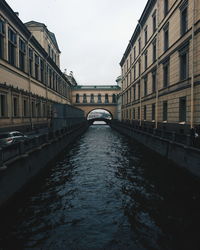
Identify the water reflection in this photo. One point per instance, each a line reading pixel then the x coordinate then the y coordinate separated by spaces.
pixel 105 193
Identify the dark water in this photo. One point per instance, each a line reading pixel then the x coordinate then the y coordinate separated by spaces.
pixel 105 193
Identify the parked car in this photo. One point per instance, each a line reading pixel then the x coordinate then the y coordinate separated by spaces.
pixel 7 138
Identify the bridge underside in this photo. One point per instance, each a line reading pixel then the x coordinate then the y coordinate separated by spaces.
pixel 91 121
pixel 87 108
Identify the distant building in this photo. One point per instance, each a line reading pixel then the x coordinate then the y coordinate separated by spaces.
pixel 30 76
pixel 119 99
pixel 161 66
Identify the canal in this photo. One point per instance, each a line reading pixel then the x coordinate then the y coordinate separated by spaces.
pixel 106 193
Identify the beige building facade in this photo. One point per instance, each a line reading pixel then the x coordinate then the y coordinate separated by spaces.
pixel 161 66
pixel 90 97
pixel 30 76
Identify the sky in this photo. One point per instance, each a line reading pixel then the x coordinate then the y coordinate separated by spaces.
pixel 92 34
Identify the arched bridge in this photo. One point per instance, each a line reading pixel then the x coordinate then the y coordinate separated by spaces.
pixel 91 97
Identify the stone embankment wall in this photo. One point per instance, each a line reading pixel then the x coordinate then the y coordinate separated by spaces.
pixel 23 161
pixel 184 155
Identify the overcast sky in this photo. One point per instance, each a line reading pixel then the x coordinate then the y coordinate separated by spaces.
pixel 92 34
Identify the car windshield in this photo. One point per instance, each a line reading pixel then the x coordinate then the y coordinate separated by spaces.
pixel 2 136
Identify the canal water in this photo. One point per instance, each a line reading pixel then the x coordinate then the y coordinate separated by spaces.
pixel 106 192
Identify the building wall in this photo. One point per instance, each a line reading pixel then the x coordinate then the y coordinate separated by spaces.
pixel 81 98
pixel 26 94
pixel 179 85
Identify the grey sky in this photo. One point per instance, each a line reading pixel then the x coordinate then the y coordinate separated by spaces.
pixel 92 34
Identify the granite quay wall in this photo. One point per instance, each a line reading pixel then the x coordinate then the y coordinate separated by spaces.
pixel 181 149
pixel 21 162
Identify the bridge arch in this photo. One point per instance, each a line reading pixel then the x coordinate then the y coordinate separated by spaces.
pixel 91 97
pixel 98 108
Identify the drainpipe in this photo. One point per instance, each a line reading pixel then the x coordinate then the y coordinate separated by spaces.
pixel 157 51
pixel 140 73
pixel 192 69
pixel 29 80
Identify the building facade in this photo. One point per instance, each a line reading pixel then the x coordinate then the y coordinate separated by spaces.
pixel 161 66
pixel 30 76
pixel 91 97
pixel 119 99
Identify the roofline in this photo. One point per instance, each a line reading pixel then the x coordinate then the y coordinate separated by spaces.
pixel 145 14
pixel 7 9
pixel 45 27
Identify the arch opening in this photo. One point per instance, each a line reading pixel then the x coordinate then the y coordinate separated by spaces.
pixel 99 116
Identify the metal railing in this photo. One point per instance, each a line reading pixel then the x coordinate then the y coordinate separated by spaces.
pixel 186 139
pixel 19 149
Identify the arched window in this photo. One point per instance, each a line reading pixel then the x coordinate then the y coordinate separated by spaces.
pixel 106 98
pixel 77 98
pixel 99 98
pixel 84 98
pixel 114 99
pixel 92 98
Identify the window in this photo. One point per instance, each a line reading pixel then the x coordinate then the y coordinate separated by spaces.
pixel 154 81
pixel 154 50
pixel 77 98
pixel 30 61
pixel 166 7
pixel 183 65
pixel 166 74
pixel 99 98
pixel 165 110
pixel 12 40
pixel 145 35
pixel 2 32
pixel 15 106
pixel 145 86
pixel 139 45
pixel 44 109
pixel 133 114
pixel 84 98
pixel 145 112
pixel 134 93
pixel 22 52
pixel 166 37
pixel 49 50
pixel 106 98
pixel 114 100
pixel 134 53
pixel 42 70
pixel 25 107
pixel 138 90
pixel 153 108
pixel 33 108
pixel 2 105
pixel 36 67
pixel 184 18
pixel 154 22
pixel 138 113
pixel 134 71
pixel 145 59
pixel 50 79
pixel 182 109
pixel 92 98
pixel 38 109
pixel 139 67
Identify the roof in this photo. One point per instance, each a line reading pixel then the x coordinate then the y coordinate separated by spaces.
pixel 97 87
pixel 51 34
